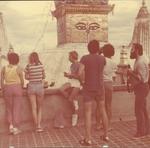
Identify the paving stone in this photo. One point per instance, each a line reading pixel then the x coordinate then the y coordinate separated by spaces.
pixel 120 137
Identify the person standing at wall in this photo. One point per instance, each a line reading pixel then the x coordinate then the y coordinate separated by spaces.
pixel 12 83
pixel 74 80
pixel 35 74
pixel 93 89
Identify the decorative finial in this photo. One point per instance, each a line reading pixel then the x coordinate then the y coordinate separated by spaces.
pixel 143 3
pixel 10 46
pixel 11 49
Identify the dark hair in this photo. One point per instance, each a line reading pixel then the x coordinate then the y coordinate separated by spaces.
pixel 34 58
pixel 108 50
pixel 138 47
pixel 13 58
pixel 74 55
pixel 93 46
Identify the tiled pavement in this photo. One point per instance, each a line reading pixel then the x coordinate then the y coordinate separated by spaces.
pixel 120 137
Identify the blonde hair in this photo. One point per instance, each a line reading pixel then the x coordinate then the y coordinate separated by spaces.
pixel 74 54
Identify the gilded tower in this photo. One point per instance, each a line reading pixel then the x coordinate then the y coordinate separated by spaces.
pixel 79 21
pixel 141 32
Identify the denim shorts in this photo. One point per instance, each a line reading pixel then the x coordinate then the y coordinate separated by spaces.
pixel 74 82
pixel 36 88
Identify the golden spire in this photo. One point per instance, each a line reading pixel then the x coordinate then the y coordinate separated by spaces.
pixel 143 3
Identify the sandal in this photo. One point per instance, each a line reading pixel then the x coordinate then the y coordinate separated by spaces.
pixel 11 130
pixel 110 129
pixel 105 138
pixel 39 129
pixel 98 127
pixel 85 142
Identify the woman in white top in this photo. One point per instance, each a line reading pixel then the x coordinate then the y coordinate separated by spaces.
pixel 108 74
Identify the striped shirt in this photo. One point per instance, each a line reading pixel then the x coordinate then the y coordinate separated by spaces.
pixel 34 73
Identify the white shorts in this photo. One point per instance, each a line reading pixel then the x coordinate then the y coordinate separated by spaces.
pixel 74 83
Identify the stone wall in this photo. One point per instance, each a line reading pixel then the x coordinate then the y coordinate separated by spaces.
pixel 122 108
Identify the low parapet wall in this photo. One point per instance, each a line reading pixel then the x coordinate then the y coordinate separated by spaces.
pixel 122 107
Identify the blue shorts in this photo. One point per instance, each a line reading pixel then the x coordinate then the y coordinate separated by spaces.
pixel 36 88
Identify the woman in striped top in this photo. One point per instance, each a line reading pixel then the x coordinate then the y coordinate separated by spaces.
pixel 34 73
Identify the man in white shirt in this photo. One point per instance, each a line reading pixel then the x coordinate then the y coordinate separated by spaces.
pixel 141 89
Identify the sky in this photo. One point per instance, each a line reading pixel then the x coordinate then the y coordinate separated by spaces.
pixel 25 22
